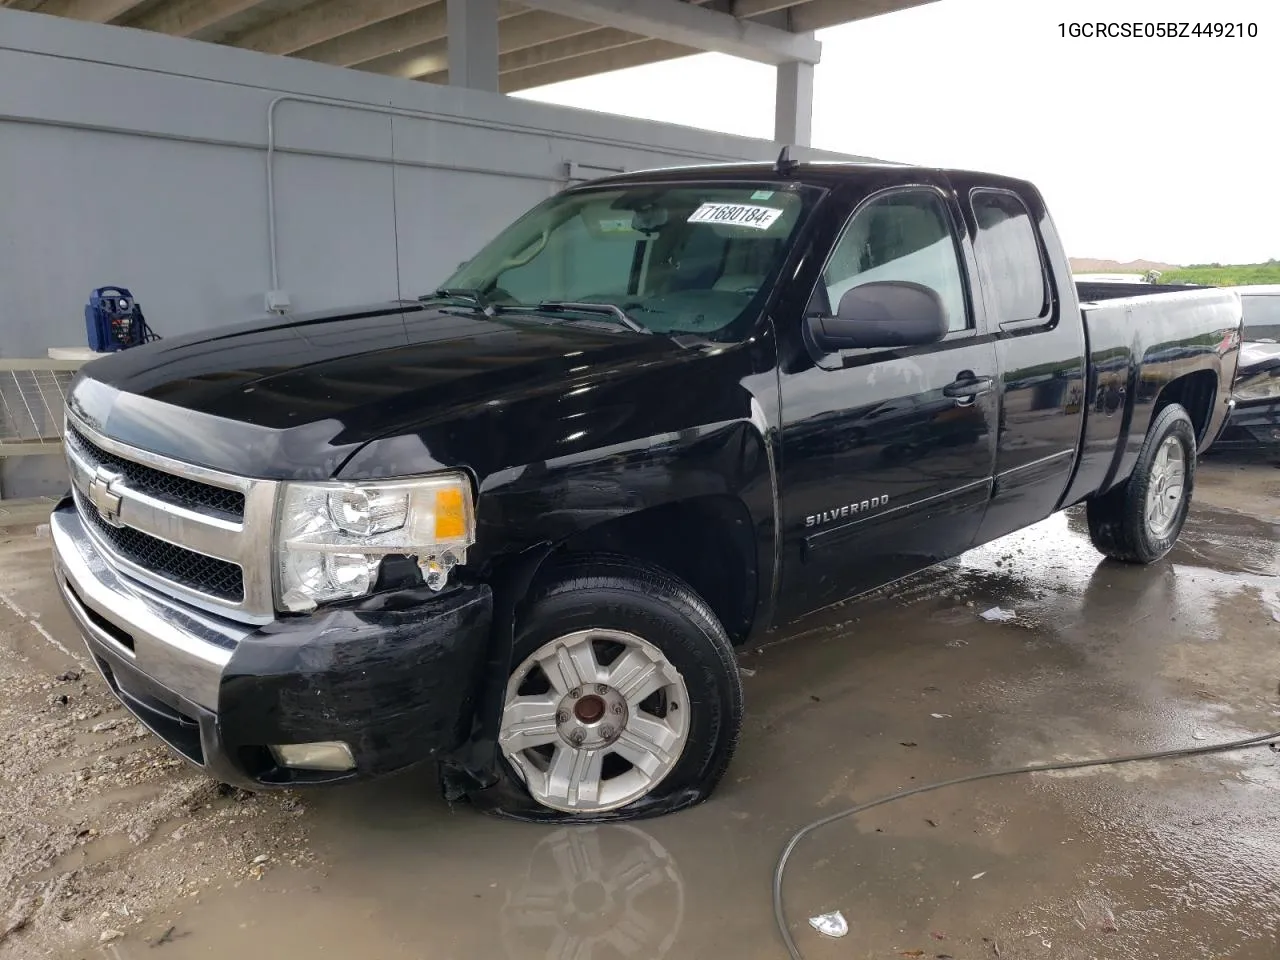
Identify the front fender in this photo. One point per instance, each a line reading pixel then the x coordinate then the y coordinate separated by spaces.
pixel 524 513
pixel 554 500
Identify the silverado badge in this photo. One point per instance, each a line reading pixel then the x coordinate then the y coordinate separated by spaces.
pixel 848 510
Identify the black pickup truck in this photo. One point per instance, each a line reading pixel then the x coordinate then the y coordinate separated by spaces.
pixel 517 527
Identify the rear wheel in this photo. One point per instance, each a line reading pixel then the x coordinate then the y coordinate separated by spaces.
pixel 1140 520
pixel 625 692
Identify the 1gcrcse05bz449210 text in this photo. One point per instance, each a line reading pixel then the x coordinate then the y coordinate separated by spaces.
pixel 1141 30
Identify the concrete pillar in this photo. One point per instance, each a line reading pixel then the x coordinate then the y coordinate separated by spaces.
pixel 793 105
pixel 473 44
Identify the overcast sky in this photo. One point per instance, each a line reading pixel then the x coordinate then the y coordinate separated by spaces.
pixel 1160 149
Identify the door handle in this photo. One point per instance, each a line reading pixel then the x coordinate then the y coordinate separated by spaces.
pixel 965 391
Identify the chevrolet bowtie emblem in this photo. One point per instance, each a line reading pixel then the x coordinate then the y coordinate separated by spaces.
pixel 104 498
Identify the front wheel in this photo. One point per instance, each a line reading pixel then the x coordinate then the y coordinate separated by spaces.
pixel 1140 520
pixel 625 698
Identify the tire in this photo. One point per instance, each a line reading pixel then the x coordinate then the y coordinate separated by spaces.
pixel 633 658
pixel 1122 523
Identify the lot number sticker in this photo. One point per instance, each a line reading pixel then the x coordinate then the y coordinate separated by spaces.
pixel 737 214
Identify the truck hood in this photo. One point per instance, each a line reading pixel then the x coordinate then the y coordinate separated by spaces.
pixel 295 398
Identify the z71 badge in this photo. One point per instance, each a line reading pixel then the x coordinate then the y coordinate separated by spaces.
pixel 846 511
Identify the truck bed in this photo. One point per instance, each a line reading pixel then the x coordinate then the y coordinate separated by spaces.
pixel 1139 338
pixel 1096 291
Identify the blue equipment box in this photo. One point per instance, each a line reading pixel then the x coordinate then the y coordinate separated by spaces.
pixel 113 321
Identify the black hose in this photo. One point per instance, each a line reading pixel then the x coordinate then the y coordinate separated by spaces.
pixel 778 871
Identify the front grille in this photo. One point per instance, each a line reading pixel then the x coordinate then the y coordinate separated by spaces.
pixel 191 494
pixel 208 575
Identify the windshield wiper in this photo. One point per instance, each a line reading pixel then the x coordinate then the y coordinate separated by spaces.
pixel 461 293
pixel 610 309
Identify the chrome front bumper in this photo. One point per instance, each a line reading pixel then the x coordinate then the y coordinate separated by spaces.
pixel 176 646
pixel 394 678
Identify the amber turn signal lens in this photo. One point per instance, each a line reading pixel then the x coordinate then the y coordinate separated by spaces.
pixel 451 514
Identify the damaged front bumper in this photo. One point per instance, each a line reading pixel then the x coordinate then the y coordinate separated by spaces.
pixel 394 677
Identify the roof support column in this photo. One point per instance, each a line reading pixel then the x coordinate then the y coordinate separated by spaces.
pixel 793 104
pixel 473 44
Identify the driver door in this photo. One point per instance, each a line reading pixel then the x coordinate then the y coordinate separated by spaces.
pixel 888 454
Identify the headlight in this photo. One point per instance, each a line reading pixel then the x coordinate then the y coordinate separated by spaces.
pixel 332 536
pixel 1260 386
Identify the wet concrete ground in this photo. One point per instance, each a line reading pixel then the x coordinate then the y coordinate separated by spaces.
pixel 1178 859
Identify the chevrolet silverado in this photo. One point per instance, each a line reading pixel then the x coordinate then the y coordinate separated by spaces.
pixel 517 527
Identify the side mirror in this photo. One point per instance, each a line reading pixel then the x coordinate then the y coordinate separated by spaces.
pixel 886 313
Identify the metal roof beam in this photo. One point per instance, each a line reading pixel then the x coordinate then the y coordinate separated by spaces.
pixel 322 21
pixel 756 8
pixel 532 28
pixel 691 26
pixel 584 45
pixel 417 61
pixel 619 58
pixel 567 48
pixel 529 40
pixel 97 11
pixel 419 54
pixel 401 34
pixel 182 18
pixel 819 14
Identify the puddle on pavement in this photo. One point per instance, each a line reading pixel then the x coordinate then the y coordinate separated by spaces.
pixel 596 891
pixel 868 698
pixel 94 852
pixel 1014 864
pixel 76 763
pixel 1230 542
pixel 121 797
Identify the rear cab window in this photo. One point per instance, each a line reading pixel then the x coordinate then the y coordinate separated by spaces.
pixel 1011 260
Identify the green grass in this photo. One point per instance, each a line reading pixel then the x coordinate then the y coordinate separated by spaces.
pixel 1225 275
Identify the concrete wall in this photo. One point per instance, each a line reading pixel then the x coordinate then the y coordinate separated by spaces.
pixel 137 159
pixel 140 160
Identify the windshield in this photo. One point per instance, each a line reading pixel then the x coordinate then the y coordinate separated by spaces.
pixel 678 258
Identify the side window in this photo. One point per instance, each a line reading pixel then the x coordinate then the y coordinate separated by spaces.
pixel 1009 259
pixel 902 236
